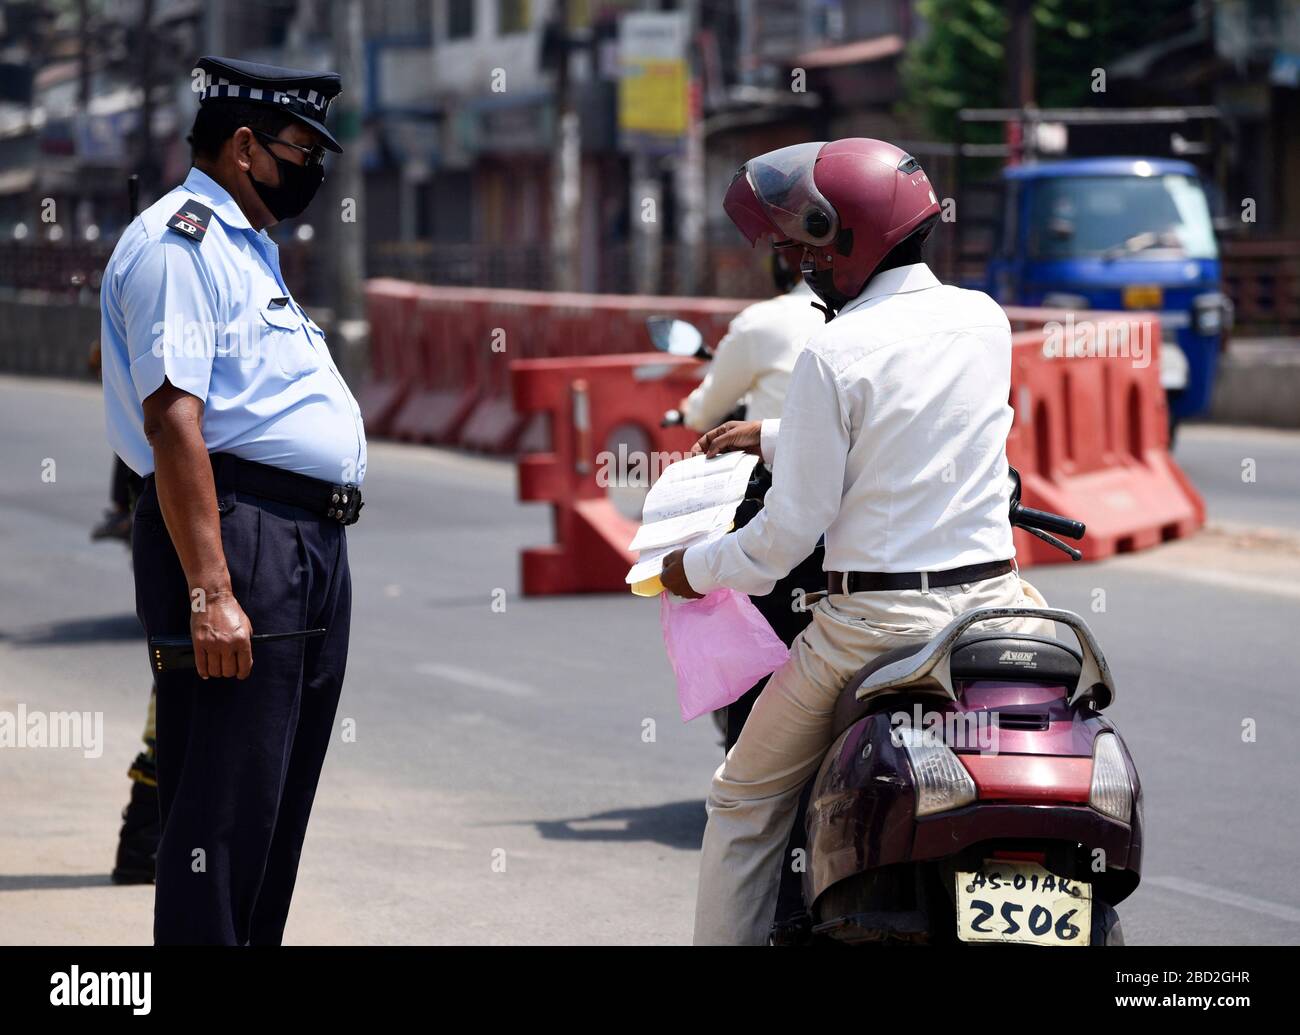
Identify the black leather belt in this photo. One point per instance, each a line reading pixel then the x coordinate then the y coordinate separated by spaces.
pixel 341 503
pixel 876 581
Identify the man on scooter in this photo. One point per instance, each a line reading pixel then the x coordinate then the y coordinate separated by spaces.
pixel 892 442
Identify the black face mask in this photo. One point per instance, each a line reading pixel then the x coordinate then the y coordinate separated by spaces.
pixel 298 185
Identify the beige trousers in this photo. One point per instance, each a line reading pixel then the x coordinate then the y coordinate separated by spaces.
pixel 755 791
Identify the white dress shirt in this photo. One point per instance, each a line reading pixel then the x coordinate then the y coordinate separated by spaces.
pixel 892 442
pixel 755 359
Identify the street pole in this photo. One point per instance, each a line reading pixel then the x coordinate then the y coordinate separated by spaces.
pixel 566 166
pixel 83 56
pixel 645 202
pixel 214 27
pixel 690 173
pixel 346 231
pixel 1020 75
pixel 145 164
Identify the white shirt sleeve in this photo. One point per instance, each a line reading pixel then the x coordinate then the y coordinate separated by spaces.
pixel 731 374
pixel 807 485
pixel 768 432
pixel 170 313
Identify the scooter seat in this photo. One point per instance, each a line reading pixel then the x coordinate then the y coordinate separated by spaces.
pixel 980 655
pixel 994 655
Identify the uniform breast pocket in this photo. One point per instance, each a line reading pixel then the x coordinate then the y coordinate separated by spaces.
pixel 286 343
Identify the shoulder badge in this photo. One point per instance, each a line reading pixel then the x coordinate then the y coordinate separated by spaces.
pixel 191 220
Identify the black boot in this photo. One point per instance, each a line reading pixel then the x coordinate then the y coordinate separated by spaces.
pixel 137 845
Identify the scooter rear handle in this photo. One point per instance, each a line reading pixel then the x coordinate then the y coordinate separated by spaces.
pixel 931 667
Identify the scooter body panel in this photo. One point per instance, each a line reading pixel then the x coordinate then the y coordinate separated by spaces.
pixel 862 810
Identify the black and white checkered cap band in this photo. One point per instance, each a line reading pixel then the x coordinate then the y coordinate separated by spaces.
pixel 310 103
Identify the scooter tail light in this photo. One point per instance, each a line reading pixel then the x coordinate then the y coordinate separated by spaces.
pixel 1112 791
pixel 942 782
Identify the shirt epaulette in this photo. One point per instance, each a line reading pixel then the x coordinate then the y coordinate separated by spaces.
pixel 191 221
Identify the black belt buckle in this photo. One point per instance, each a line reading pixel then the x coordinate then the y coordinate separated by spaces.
pixel 345 504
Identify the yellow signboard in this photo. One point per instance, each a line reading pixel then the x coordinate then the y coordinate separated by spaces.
pixel 654 98
pixel 654 86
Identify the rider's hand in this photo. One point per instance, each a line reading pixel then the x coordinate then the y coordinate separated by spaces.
pixel 743 436
pixel 222 637
pixel 674 576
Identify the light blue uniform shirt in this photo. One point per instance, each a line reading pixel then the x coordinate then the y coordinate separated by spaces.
pixel 213 316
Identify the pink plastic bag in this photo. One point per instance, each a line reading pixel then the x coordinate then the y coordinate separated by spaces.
pixel 719 646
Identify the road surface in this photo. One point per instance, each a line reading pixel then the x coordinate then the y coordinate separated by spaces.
pixel 522 776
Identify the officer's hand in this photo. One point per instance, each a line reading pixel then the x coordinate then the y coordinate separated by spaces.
pixel 222 637
pixel 743 436
pixel 674 576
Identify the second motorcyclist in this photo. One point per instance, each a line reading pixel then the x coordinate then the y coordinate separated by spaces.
pixel 752 363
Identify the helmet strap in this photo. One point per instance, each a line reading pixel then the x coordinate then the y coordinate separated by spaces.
pixel 822 283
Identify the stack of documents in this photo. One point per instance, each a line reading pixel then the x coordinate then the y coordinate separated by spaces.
pixel 693 501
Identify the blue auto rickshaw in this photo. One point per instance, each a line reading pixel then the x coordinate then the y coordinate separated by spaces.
pixel 1120 233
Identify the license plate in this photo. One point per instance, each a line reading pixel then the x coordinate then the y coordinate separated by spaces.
pixel 1143 296
pixel 1022 902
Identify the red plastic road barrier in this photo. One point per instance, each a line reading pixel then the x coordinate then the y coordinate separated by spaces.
pixel 441 355
pixel 1091 433
pixel 509 323
pixel 604 414
pixel 390 306
pixel 444 392
pixel 1090 439
pixel 553 324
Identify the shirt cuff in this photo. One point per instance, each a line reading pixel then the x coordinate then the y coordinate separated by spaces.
pixel 696 565
pixel 689 405
pixel 767 439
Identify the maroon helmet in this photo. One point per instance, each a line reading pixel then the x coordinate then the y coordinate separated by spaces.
pixel 847 203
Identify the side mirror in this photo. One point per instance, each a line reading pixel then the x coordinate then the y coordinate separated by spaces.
pixel 676 337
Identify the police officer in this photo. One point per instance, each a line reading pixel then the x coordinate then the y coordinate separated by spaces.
pixel 220 391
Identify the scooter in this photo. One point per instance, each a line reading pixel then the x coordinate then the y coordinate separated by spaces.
pixel 918 832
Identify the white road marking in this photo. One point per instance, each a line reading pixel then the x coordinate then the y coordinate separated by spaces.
pixel 1157 565
pixel 1231 432
pixel 1227 898
pixel 476 680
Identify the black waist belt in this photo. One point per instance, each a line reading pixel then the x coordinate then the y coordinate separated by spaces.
pixel 341 503
pixel 876 581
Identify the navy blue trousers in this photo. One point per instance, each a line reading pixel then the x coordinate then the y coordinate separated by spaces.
pixel 239 760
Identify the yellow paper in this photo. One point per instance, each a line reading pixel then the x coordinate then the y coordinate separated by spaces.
pixel 650 587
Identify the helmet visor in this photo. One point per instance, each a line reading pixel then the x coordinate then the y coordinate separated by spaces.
pixel 783 184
